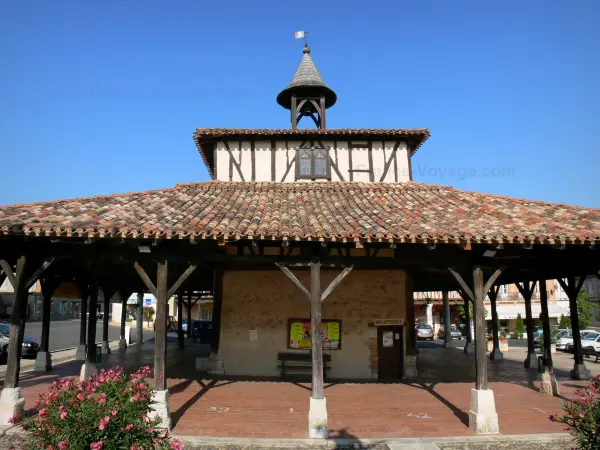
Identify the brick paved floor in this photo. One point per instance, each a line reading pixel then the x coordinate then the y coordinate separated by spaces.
pixel 435 405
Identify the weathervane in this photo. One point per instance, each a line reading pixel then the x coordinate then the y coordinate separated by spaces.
pixel 302 34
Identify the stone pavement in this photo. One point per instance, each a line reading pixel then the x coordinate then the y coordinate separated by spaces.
pixel 433 407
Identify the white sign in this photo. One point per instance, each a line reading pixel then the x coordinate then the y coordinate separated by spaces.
pixel 388 339
pixel 253 335
pixel 386 322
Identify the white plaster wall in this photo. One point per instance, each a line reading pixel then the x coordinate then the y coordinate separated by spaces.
pixel 265 300
pixel 285 154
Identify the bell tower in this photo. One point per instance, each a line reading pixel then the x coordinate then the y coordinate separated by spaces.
pixel 307 95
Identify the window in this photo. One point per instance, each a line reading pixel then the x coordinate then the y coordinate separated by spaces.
pixel 312 163
pixel 206 314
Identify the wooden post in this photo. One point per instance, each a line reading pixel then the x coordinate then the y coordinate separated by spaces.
pixel 84 308
pixel 180 338
pixel 571 288
pixel 123 340
pixel 140 319
pixel 47 291
pixel 526 289
pixel 316 339
pixel 447 329
pixel 160 347
pixel 548 366
pixel 496 353
pixel 481 381
pixel 217 307
pixel 13 363
pixel 189 315
pixel 91 337
pixel 107 293
pixel 468 320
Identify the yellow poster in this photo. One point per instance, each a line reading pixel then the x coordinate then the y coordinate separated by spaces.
pixel 301 331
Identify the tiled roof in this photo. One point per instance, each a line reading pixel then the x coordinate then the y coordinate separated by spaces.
pixel 415 136
pixel 412 212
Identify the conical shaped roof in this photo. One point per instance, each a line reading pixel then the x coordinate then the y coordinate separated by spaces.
pixel 307 82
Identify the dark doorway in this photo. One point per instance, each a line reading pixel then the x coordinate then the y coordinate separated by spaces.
pixel 390 351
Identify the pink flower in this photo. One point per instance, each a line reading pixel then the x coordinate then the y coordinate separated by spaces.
pixel 96 445
pixel 63 415
pixel 62 445
pixel 176 444
pixel 552 418
pixel 129 427
pixel 16 417
pixel 43 412
pixel 80 397
pixel 104 422
pixel 581 415
pixel 135 398
pixel 150 430
pixel 114 412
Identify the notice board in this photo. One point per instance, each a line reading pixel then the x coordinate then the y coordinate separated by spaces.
pixel 300 334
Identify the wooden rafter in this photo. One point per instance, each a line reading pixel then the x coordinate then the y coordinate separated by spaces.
pixel 146 279
pixel 336 281
pixel 465 287
pixel 288 273
pixel 526 290
pixel 184 276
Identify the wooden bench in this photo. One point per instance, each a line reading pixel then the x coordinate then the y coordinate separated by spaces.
pixel 300 364
pixel 591 352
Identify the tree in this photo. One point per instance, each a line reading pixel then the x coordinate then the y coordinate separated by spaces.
pixel 564 322
pixel 148 314
pixel 585 309
pixel 520 327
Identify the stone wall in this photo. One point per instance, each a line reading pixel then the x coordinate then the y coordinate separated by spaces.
pixel 265 300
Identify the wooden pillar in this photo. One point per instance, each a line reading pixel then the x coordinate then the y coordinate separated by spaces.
pixel 530 336
pixel 217 307
pixel 140 319
pixel 13 363
pixel 160 347
pixel 317 341
pixel 548 366
pixel 496 354
pixel 47 291
pixel 180 338
pixel 481 381
pixel 447 329
pixel 189 315
pixel 107 295
pixel 411 339
pixel 84 308
pixel 469 340
pixel 572 288
pixel 123 340
pixel 91 335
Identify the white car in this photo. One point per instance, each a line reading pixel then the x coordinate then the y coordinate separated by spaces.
pixel 591 340
pixel 584 334
pixel 563 341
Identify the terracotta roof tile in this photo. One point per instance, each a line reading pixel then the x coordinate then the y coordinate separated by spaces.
pixel 331 211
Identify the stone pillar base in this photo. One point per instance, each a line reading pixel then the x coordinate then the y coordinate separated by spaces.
pixel 11 403
pixel 317 419
pixel 105 348
pixel 580 372
pixel 411 371
pixel 483 418
pixel 469 349
pixel 87 369
pixel 497 355
pixel 160 409
pixel 531 361
pixel 549 386
pixel 122 343
pixel 448 344
pixel 43 361
pixel 80 353
pixel 214 365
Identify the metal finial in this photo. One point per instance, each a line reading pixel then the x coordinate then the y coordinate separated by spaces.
pixel 306 49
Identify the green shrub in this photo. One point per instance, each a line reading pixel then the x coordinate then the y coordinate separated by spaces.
pixel 110 411
pixel 582 416
pixel 520 327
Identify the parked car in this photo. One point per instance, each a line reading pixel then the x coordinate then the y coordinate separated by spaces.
pixel 171 324
pixel 203 331
pixel 539 339
pixel 424 331
pixel 30 346
pixel 583 334
pixel 591 340
pixel 454 332
pixel 563 341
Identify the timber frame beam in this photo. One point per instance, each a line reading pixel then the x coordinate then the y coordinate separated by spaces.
pixel 306 292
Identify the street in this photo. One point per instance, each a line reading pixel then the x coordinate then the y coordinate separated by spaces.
pixel 65 333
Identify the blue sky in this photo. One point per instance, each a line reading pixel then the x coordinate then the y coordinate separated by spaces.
pixel 103 97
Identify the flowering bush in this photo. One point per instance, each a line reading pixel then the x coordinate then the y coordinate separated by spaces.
pixel 582 416
pixel 109 411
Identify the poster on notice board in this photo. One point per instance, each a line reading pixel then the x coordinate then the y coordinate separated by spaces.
pixel 300 333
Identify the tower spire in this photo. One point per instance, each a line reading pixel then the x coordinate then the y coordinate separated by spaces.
pixel 307 94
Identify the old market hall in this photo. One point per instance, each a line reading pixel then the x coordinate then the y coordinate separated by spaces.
pixel 303 231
